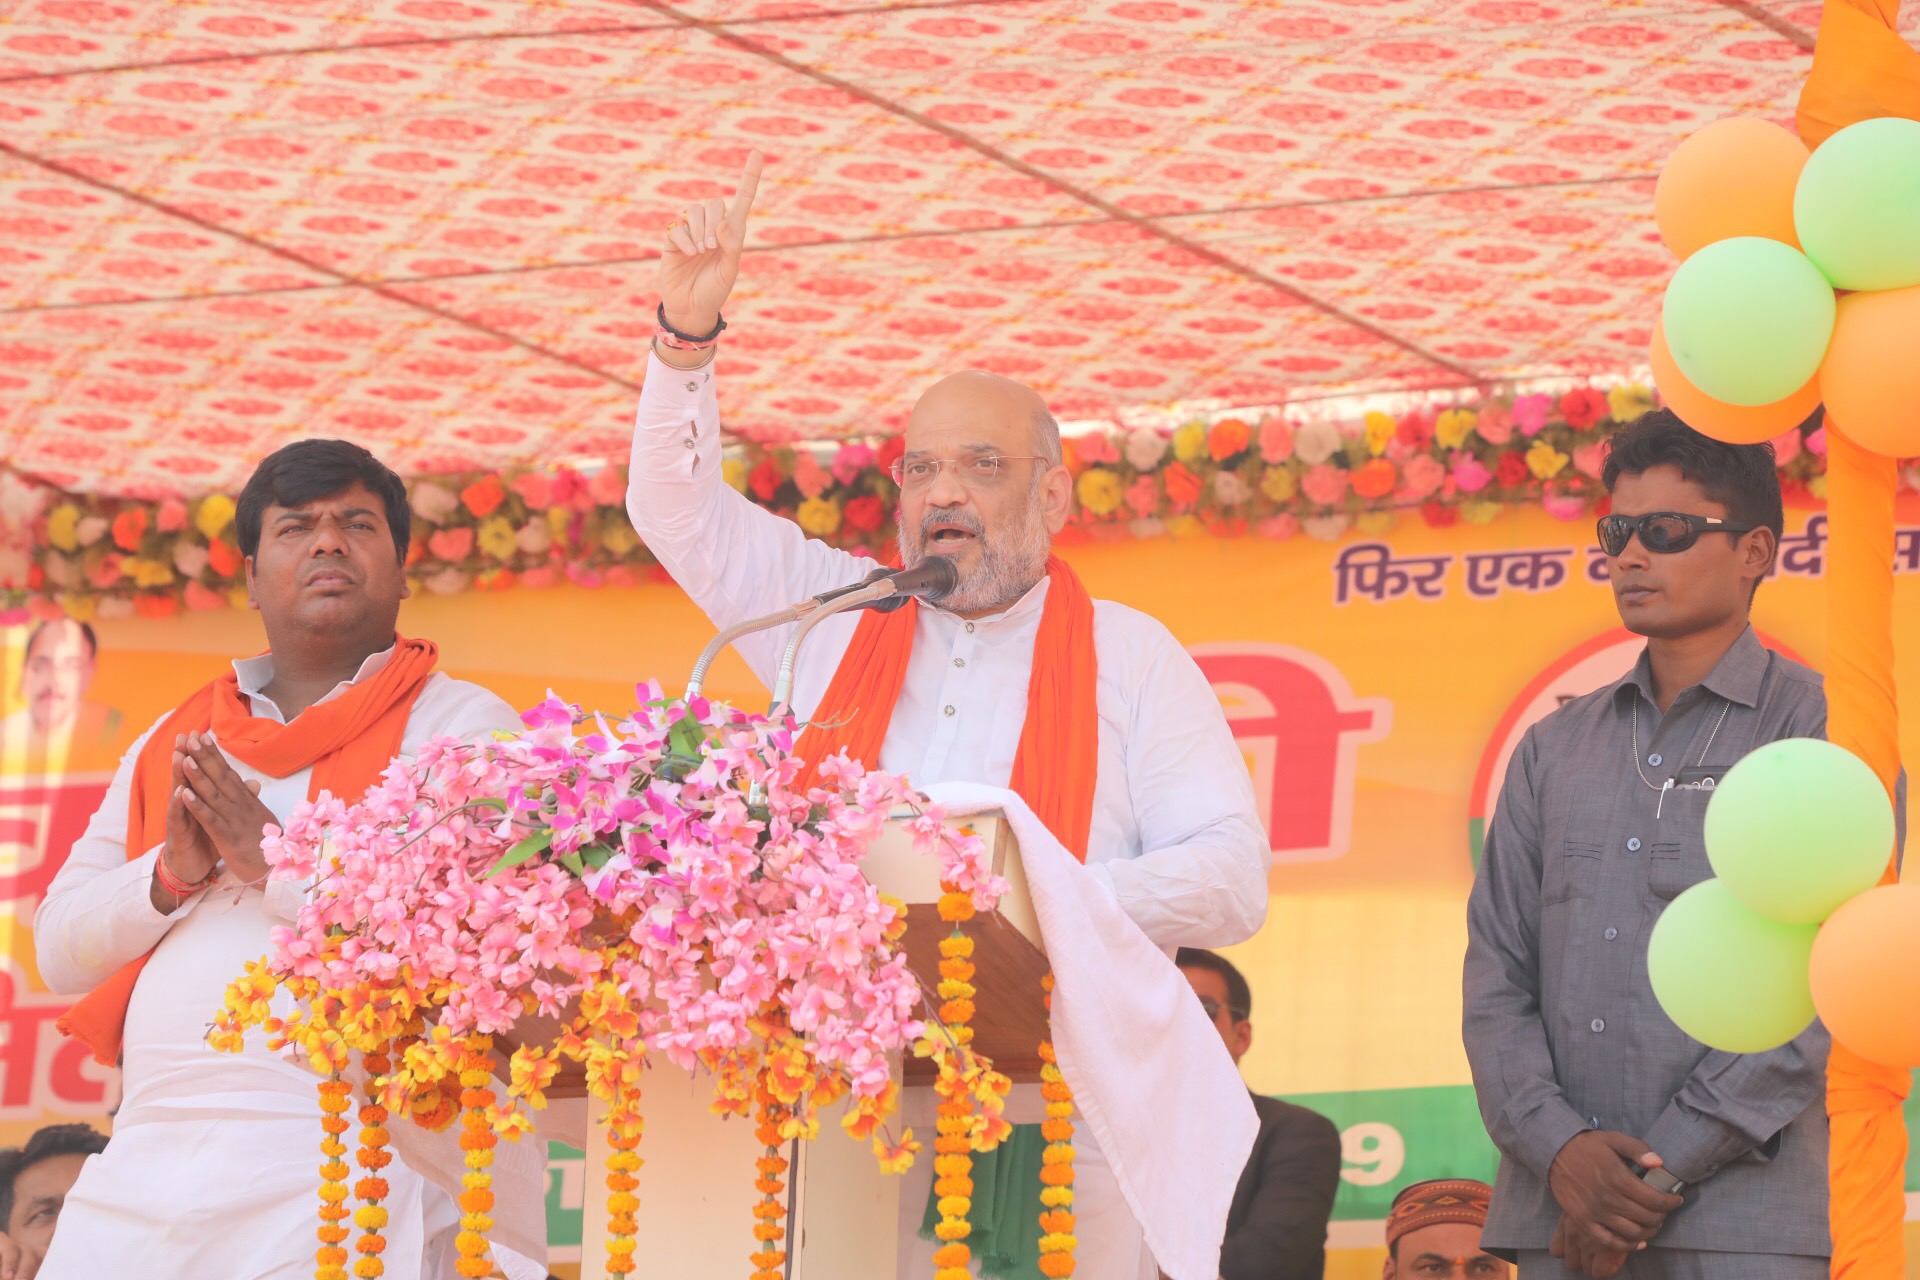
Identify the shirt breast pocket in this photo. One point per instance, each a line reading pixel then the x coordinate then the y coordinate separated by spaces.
pixel 1574 872
pixel 1674 868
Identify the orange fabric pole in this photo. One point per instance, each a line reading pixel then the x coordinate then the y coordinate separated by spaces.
pixel 1862 69
pixel 1868 1156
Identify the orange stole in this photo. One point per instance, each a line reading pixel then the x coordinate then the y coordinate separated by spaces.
pixel 348 742
pixel 1055 766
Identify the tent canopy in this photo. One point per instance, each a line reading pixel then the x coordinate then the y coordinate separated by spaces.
pixel 430 225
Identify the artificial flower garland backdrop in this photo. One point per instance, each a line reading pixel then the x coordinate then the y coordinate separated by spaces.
pixel 109 557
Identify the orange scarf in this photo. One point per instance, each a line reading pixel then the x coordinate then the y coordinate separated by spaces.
pixel 348 742
pixel 1054 769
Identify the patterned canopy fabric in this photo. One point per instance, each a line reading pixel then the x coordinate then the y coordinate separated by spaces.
pixel 430 225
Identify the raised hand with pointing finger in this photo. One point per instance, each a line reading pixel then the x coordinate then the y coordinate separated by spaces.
pixel 698 265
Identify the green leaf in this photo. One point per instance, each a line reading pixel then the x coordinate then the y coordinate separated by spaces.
pixel 498 806
pixel 686 736
pixel 596 855
pixel 534 844
pixel 572 862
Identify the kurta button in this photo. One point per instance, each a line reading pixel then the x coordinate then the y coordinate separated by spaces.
pixel 1611 933
pixel 689 444
pixel 693 386
pixel 1654 759
pixel 969 628
pixel 949 710
pixel 1599 1024
pixel 1633 844
pixel 959 662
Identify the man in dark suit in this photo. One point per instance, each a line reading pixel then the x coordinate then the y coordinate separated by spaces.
pixel 1277 1228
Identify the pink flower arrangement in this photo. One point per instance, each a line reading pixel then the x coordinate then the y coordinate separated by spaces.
pixel 669 866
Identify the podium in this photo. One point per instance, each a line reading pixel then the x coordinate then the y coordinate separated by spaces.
pixel 695 1220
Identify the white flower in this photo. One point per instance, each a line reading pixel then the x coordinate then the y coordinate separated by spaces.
pixel 448 582
pixel 534 538
pixel 189 558
pixel 1230 489
pixel 1326 528
pixel 1147 527
pixel 431 502
pixel 1315 442
pixel 113 608
pixel 1145 448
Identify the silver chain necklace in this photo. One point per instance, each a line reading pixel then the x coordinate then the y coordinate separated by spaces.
pixel 1726 705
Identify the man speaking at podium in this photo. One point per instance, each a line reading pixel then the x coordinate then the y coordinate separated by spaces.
pixel 1089 710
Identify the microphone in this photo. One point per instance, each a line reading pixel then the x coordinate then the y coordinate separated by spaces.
pixel 932 580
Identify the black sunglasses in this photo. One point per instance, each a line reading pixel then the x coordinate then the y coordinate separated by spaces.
pixel 1661 532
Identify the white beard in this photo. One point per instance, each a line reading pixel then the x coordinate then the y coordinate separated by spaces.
pixel 1011 561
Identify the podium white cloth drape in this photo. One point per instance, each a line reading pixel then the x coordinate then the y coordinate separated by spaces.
pixel 1152 1082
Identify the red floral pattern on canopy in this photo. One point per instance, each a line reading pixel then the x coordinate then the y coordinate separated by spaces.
pixel 428 224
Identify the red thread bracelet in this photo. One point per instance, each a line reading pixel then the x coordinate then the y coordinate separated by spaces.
pixel 174 884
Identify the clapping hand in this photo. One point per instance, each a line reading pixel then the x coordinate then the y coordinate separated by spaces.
pixel 701 259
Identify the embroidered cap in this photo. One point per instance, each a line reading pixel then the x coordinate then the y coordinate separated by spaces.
pixel 1426 1204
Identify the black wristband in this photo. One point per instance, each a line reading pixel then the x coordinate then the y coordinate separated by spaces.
pixel 720 323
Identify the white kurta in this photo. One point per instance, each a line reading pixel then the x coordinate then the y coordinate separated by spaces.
pixel 212 1169
pixel 1176 837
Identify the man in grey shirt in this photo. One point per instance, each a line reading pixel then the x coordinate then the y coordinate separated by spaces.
pixel 1598 1103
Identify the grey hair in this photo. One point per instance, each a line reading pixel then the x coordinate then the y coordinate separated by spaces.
pixel 1046 436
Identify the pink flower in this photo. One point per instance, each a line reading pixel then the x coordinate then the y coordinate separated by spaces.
pixel 535 489
pixel 171 517
pixel 608 486
pixel 1468 475
pixel 1495 424
pixel 1324 485
pixel 1096 447
pixel 1817 442
pixel 812 478
pixel 1280 527
pixel 1143 495
pixel 1563 506
pixel 850 462
pixel 1787 446
pixel 432 502
pixel 1276 441
pixel 1422 477
pixel 1530 414
pixel 1590 459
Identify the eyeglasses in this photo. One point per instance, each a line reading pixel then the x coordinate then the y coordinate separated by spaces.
pixel 975 473
pixel 1212 1008
pixel 1661 532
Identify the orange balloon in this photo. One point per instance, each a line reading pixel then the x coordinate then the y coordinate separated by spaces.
pixel 1733 423
pixel 1866 974
pixel 1871 376
pixel 1733 178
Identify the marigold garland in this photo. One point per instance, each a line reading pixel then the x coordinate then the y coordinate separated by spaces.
pixel 373 1156
pixel 953 1147
pixel 623 1135
pixel 1057 1242
pixel 769 1229
pixel 477 1139
pixel 331 1259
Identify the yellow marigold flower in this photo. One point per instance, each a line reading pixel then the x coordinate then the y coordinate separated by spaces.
pixel 1185 526
pixel 1279 484
pixel 1545 461
pixel 1374 524
pixel 1628 401
pixel 496 538
pixel 1453 426
pixel 1190 442
pixel 617 536
pixel 150 573
pixel 736 471
pixel 1479 512
pixel 1100 491
pixel 819 517
pixel 214 515
pixel 1380 431
pixel 63 527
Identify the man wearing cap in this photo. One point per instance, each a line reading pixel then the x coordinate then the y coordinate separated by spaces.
pixel 1433 1232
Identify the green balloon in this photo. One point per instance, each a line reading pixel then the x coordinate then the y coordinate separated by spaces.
pixel 1856 208
pixel 1729 978
pixel 1748 320
pixel 1798 827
